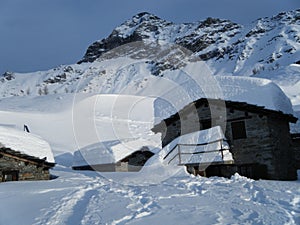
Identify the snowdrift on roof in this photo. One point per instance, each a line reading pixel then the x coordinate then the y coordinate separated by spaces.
pixel 102 118
pixel 26 143
pixel 110 151
pixel 193 85
pixel 257 91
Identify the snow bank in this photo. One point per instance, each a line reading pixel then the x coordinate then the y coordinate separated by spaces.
pixel 209 141
pixel 25 143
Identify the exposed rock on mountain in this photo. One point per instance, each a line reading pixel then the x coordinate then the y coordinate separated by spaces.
pixel 267 44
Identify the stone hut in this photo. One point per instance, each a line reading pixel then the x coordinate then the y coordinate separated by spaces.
pixel 131 163
pixel 114 156
pixel 16 166
pixel 259 138
pixel 23 156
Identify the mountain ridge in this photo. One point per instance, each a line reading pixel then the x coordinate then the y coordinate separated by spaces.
pixel 216 39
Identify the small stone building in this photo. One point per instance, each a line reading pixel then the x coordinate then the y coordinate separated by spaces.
pixel 16 166
pixel 259 138
pixel 128 155
pixel 24 156
pixel 130 163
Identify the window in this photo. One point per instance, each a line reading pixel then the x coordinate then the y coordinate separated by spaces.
pixel 238 130
pixel 205 124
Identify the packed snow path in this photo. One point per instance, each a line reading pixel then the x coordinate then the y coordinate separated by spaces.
pixel 88 198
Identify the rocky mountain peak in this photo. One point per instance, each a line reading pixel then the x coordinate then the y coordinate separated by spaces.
pixel 142 21
pixel 144 16
pixel 265 45
pixel 146 26
pixel 141 26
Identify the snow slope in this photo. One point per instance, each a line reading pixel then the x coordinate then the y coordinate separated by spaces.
pixel 133 77
pixel 50 117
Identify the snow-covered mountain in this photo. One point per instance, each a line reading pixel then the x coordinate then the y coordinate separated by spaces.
pixel 265 45
pixel 145 47
pixel 268 47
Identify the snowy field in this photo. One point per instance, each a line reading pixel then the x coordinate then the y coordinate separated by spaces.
pixel 89 198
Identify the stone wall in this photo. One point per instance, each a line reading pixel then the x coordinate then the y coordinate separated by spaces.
pixel 267 139
pixel 296 149
pixel 283 160
pixel 26 170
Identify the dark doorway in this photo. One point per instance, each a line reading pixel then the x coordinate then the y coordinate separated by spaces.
pixel 10 176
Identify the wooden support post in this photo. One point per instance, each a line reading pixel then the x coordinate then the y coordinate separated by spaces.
pixel 222 150
pixel 179 154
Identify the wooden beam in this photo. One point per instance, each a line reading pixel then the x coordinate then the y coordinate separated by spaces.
pixel 25 158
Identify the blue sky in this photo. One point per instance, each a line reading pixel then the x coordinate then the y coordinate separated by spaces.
pixel 42 34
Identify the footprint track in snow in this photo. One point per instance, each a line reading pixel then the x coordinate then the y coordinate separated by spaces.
pixel 62 209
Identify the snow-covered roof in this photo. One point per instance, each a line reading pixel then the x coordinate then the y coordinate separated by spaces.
pixel 209 141
pixel 25 143
pixel 256 91
pixel 110 151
